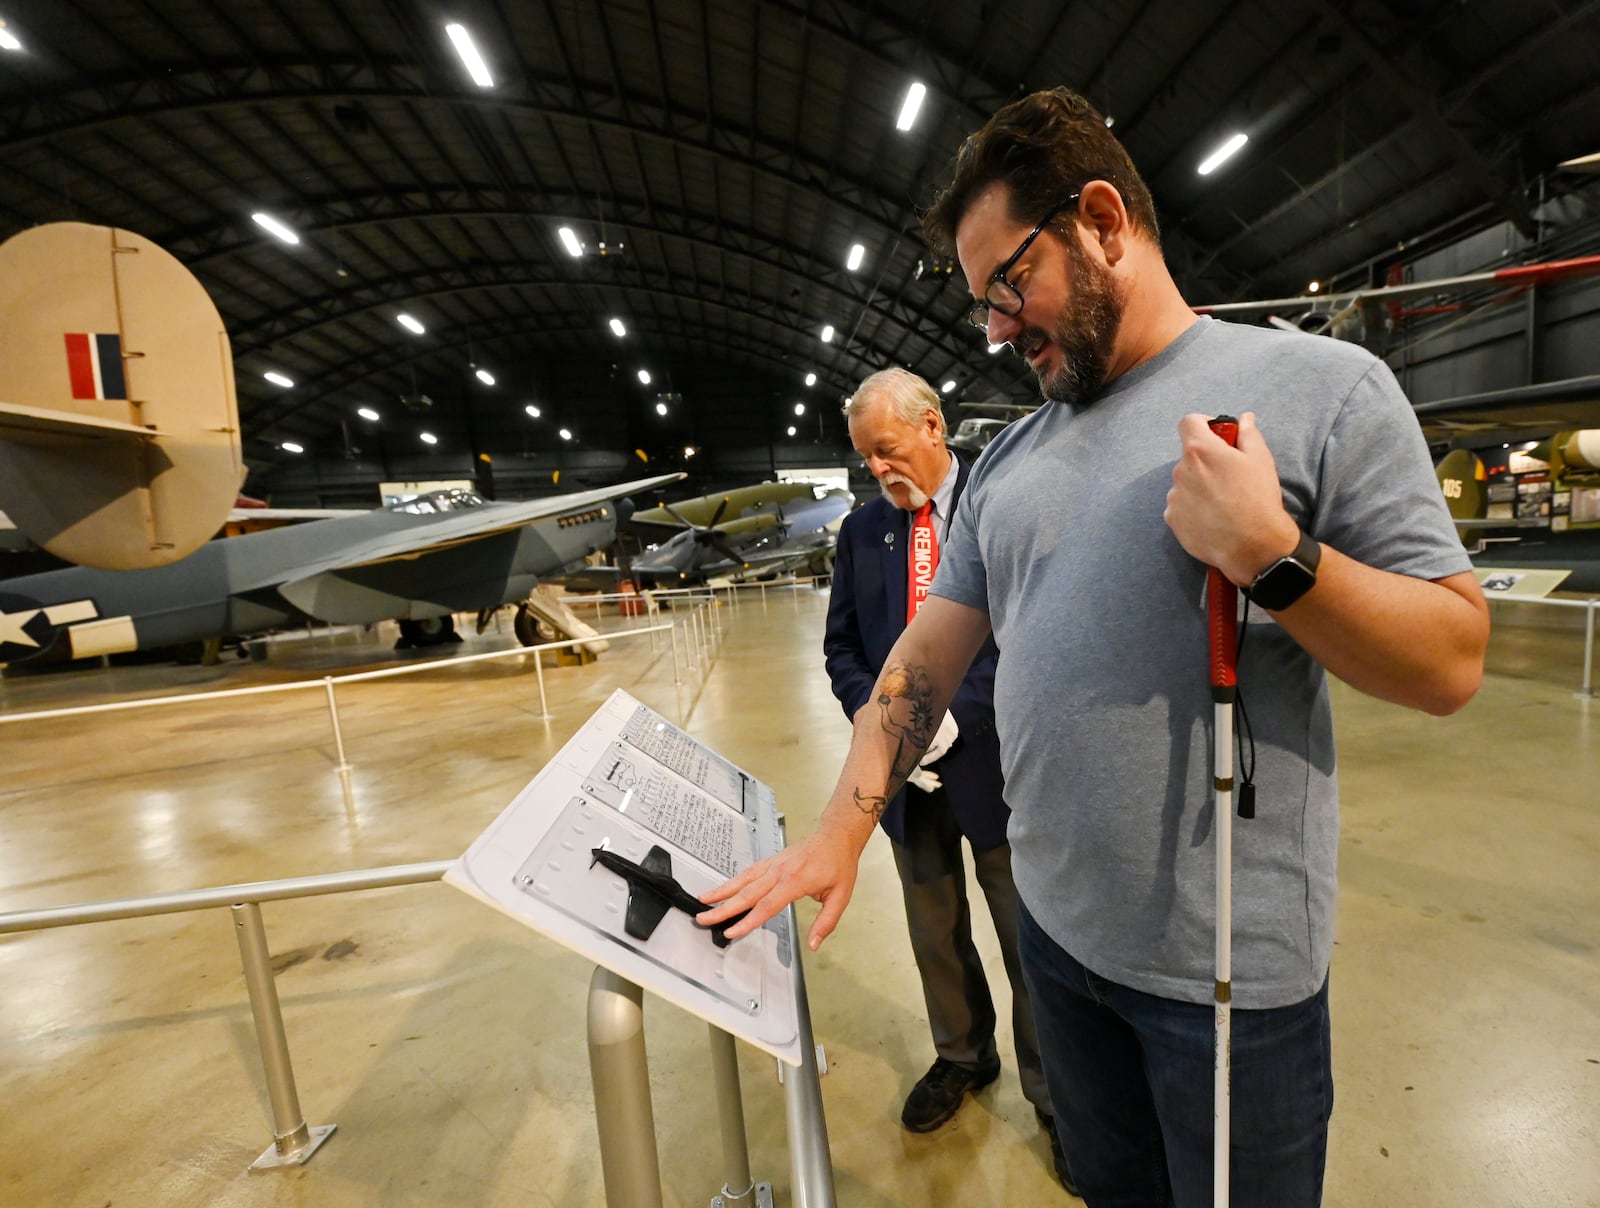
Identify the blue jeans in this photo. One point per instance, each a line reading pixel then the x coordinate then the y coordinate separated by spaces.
pixel 1131 1078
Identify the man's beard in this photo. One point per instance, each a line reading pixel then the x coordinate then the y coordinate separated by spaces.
pixel 917 497
pixel 1085 334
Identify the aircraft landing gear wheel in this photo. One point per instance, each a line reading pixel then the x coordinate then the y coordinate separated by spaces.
pixel 430 631
pixel 525 627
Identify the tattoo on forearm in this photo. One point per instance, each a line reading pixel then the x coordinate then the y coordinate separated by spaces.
pixel 871 805
pixel 905 710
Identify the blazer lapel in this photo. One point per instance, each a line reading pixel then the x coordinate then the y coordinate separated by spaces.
pixel 896 559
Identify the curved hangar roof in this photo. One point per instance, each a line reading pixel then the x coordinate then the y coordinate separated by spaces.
pixel 715 161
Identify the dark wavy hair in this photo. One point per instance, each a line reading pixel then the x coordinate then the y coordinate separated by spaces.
pixel 1043 148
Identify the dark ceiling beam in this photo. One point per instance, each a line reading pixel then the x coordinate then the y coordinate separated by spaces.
pixel 316 387
pixel 1416 79
pixel 723 240
pixel 201 89
pixel 865 357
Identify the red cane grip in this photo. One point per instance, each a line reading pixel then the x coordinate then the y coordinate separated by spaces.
pixel 1222 603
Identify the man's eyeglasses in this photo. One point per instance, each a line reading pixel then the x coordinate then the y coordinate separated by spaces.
pixel 1000 294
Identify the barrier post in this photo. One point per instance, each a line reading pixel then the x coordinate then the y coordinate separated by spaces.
pixel 293 1141
pixel 1588 650
pixel 338 743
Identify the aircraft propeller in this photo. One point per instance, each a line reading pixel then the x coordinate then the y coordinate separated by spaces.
pixel 707 535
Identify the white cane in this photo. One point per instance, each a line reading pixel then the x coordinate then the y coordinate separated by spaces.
pixel 1222 601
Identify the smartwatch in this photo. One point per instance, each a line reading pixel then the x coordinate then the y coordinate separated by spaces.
pixel 1287 579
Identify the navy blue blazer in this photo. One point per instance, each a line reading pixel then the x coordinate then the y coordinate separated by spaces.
pixel 866 616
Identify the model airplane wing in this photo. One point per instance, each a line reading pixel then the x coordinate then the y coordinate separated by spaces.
pixel 473 524
pixel 652 891
pixel 119 429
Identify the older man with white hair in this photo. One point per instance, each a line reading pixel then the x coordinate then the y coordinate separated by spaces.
pixel 887 554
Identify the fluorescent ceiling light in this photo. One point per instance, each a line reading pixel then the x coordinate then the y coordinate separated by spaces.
pixel 799 408
pixel 1222 154
pixel 290 447
pixel 276 227
pixel 688 450
pixel 8 40
pixel 661 408
pixel 570 242
pixel 857 253
pixel 565 434
pixel 476 67
pixel 948 386
pixel 533 412
pixel 618 328
pixel 368 413
pixel 791 429
pixel 827 334
pixel 911 105
pixel 644 377
pixel 428 438
pixel 410 324
pixel 811 379
pixel 485 377
pixel 277 379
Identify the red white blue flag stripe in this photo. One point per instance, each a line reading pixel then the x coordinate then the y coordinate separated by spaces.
pixel 94 363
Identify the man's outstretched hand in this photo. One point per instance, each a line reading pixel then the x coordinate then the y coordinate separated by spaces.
pixel 822 866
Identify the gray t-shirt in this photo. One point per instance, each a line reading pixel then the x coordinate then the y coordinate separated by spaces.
pixel 1103 695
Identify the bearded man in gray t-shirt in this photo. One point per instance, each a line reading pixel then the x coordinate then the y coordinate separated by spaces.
pixel 1081 543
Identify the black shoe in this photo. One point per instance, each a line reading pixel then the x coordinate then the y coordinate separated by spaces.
pixel 1048 1123
pixel 937 1096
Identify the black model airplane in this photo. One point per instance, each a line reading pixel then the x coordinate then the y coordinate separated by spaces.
pixel 652 891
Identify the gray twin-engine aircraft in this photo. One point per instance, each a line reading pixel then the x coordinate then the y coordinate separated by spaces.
pixel 418 561
pixel 765 529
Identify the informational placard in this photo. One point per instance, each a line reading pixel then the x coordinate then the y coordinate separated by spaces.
pixel 633 785
pixel 1526 583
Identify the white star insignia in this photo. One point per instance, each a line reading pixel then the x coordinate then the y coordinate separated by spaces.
pixel 11 628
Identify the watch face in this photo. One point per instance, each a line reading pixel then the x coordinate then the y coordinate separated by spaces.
pixel 1281 584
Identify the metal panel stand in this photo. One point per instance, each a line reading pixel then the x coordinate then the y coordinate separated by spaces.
pixel 810 1161
pixel 294 1141
pixel 740 1190
pixel 621 1079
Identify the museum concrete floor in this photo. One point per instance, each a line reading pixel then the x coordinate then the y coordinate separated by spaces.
pixel 448 1043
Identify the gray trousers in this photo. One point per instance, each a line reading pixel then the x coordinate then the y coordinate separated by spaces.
pixel 933 880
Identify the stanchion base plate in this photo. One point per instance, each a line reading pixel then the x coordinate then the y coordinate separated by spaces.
pixel 761 1199
pixel 299 1157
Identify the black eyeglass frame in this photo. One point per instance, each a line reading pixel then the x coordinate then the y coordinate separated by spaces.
pixel 978 316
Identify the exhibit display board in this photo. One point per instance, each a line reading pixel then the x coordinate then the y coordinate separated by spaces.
pixel 1525 582
pixel 607 845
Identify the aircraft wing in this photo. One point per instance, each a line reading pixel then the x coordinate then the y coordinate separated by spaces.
pixel 1535 410
pixel 1518 276
pixel 471 524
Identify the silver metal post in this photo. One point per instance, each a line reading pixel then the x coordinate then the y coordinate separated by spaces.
pixel 621 1077
pixel 338 741
pixel 811 1163
pixel 1588 650
pixel 538 667
pixel 293 1140
pixel 740 1190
